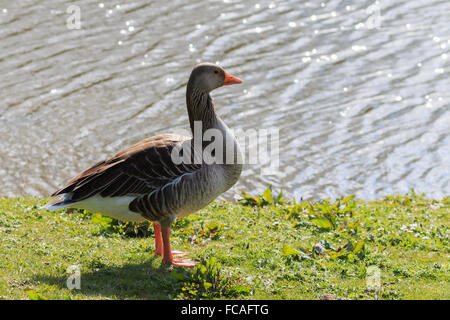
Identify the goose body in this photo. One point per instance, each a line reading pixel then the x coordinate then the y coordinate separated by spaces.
pixel 145 181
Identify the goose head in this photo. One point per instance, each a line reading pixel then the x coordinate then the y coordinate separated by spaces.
pixel 206 77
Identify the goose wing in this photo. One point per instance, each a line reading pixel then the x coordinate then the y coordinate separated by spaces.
pixel 136 170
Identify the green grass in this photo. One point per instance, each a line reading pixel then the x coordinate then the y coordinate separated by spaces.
pixel 259 248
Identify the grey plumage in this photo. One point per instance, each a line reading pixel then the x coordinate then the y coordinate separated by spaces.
pixel 161 190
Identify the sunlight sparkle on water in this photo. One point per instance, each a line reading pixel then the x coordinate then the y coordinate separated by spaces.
pixel 359 48
pixel 258 29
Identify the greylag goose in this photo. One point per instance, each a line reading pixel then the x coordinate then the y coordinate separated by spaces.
pixel 144 182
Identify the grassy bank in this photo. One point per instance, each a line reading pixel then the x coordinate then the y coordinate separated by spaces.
pixel 259 248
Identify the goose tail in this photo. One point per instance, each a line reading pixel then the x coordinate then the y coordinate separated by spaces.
pixel 59 203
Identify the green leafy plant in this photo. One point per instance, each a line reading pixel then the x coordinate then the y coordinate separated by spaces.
pixel 208 281
pixel 267 198
pixel 33 295
pixel 109 225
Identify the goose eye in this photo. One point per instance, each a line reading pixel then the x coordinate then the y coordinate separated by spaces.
pixel 216 71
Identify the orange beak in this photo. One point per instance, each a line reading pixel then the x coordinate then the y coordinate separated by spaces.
pixel 229 79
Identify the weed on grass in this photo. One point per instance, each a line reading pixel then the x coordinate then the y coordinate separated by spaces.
pixel 262 247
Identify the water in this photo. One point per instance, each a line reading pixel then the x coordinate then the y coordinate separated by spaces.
pixel 359 90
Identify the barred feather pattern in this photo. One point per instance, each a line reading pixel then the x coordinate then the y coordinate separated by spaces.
pixel 139 169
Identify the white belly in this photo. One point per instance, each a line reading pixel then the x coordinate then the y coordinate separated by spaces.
pixel 114 207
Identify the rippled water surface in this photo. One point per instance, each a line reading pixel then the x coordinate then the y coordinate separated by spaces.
pixel 360 91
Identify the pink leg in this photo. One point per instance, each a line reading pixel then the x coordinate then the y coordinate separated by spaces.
pixel 158 240
pixel 168 256
pixel 159 249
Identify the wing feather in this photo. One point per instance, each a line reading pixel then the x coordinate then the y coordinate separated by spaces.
pixel 137 170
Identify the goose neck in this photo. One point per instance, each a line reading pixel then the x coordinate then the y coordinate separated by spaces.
pixel 201 110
